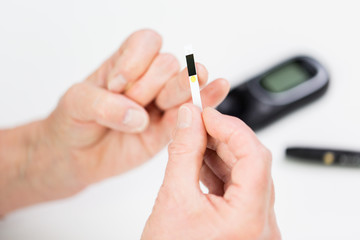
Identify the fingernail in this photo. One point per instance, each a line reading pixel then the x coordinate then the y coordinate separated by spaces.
pixel 117 83
pixel 184 117
pixel 135 120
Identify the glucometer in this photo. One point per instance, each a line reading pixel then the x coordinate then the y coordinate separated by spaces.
pixel 277 91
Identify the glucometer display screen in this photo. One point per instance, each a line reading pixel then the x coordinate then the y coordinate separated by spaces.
pixel 285 77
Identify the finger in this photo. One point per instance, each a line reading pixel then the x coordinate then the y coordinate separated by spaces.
pixel 89 103
pixel 250 175
pixel 211 95
pixel 211 181
pixel 177 90
pixel 240 139
pixel 217 166
pixel 137 53
pixel 186 151
pixel 163 68
pixel 223 151
pixel 214 93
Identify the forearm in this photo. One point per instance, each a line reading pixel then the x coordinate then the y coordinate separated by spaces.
pixel 16 150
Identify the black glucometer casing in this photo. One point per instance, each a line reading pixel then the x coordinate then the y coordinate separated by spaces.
pixel 258 102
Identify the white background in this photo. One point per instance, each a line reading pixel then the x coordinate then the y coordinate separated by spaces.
pixel 46 46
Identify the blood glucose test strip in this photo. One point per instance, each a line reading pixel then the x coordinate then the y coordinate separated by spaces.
pixel 193 79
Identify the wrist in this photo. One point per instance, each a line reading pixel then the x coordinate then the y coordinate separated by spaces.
pixel 16 150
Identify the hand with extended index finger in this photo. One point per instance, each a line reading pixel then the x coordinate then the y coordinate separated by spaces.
pixel 235 167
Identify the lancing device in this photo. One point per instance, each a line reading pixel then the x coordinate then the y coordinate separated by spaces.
pixel 326 156
pixel 193 79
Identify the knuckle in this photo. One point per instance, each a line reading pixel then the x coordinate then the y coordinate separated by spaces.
pixel 265 154
pixel 128 69
pixel 150 33
pixel 71 94
pixel 169 62
pixel 176 148
pixel 262 182
pixel 74 90
pixel 162 102
pixel 235 136
pixel 100 108
pixel 179 149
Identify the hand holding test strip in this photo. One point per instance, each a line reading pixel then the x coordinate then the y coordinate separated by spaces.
pixel 193 79
pixel 121 116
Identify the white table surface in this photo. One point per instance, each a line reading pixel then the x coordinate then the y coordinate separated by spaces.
pixel 46 46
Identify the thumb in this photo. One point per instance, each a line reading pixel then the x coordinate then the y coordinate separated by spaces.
pixel 186 150
pixel 85 102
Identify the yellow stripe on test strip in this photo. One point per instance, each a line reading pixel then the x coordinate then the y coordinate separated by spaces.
pixel 193 79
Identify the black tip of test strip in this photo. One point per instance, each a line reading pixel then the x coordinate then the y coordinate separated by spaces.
pixel 190 64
